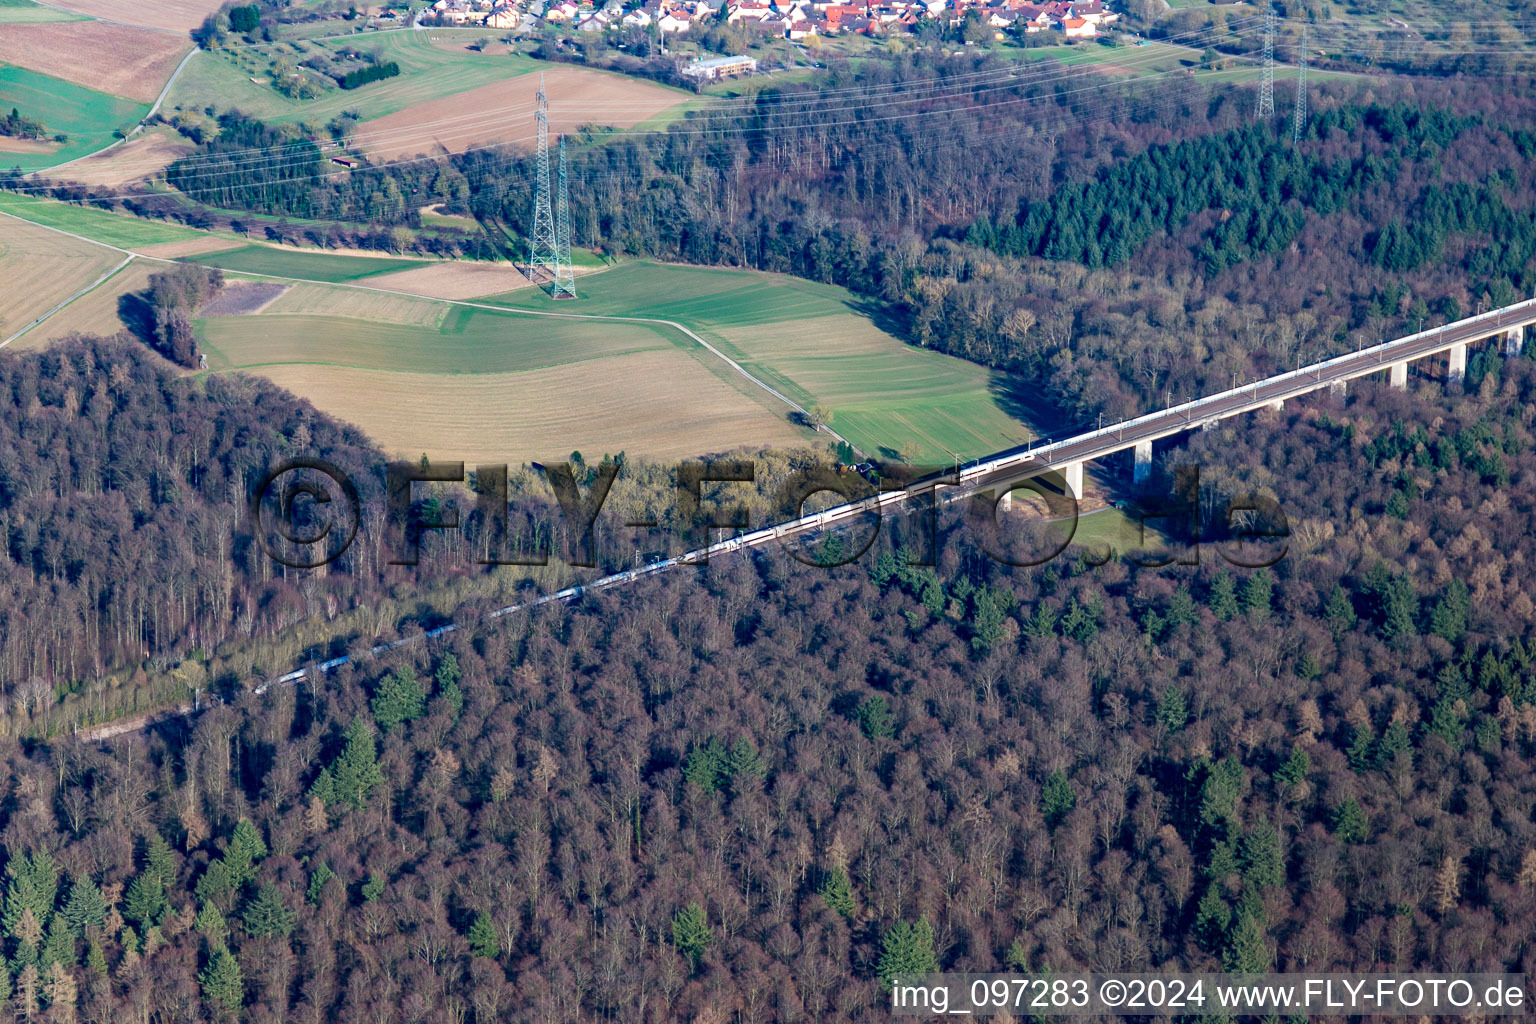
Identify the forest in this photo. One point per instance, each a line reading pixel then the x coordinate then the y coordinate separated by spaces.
pixel 752 791
pixel 757 790
pixel 223 174
pixel 118 535
pixel 1268 186
pixel 131 574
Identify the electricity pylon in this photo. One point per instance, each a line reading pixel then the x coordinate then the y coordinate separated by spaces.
pixel 1267 75
pixel 1299 115
pixel 564 286
pixel 543 241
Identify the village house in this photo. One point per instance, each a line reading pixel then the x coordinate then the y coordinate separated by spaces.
pixel 674 21
pixel 1076 28
pixel 751 13
pixel 504 15
pixel 1001 20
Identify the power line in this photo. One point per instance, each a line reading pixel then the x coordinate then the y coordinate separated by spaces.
pixel 861 99
pixel 799 121
pixel 1053 123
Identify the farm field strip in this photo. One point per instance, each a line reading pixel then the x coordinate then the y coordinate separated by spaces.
pixel 41 270
pixel 141 158
pixel 191 247
pixel 118 60
pixel 114 229
pixel 319 300
pixel 179 16
pixel 95 312
pixel 301 265
pixel 927 430
pixel 22 12
pixel 469 341
pixel 503 112
pixel 660 402
pixel 455 280
pixel 87 116
pixel 243 298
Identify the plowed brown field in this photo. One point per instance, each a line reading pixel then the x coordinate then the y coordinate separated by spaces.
pixel 504 112
pixel 118 59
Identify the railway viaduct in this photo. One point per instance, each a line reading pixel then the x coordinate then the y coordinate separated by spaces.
pixel 1446 347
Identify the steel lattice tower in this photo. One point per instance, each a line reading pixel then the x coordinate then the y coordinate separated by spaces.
pixel 564 286
pixel 1299 115
pixel 1267 75
pixel 542 250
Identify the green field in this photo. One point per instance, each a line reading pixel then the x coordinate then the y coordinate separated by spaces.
pixel 426 73
pixel 305 266
pixel 98 225
pixel 88 117
pixel 432 219
pixel 479 385
pixel 15 12
pixel 810 342
pixel 1137 60
pixel 466 341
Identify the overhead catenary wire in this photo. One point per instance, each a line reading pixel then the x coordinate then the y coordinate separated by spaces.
pixel 477 124
pixel 769 104
pixel 706 122
pixel 259 159
pixel 1060 122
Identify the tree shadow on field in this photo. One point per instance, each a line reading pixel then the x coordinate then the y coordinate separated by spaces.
pixel 1019 398
pixel 1022 400
pixel 882 316
pixel 135 313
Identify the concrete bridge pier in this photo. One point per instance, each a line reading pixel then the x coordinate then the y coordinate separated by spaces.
pixel 1278 405
pixel 1339 387
pixel 1143 462
pixel 1514 341
pixel 1397 374
pixel 1073 471
pixel 1456 362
